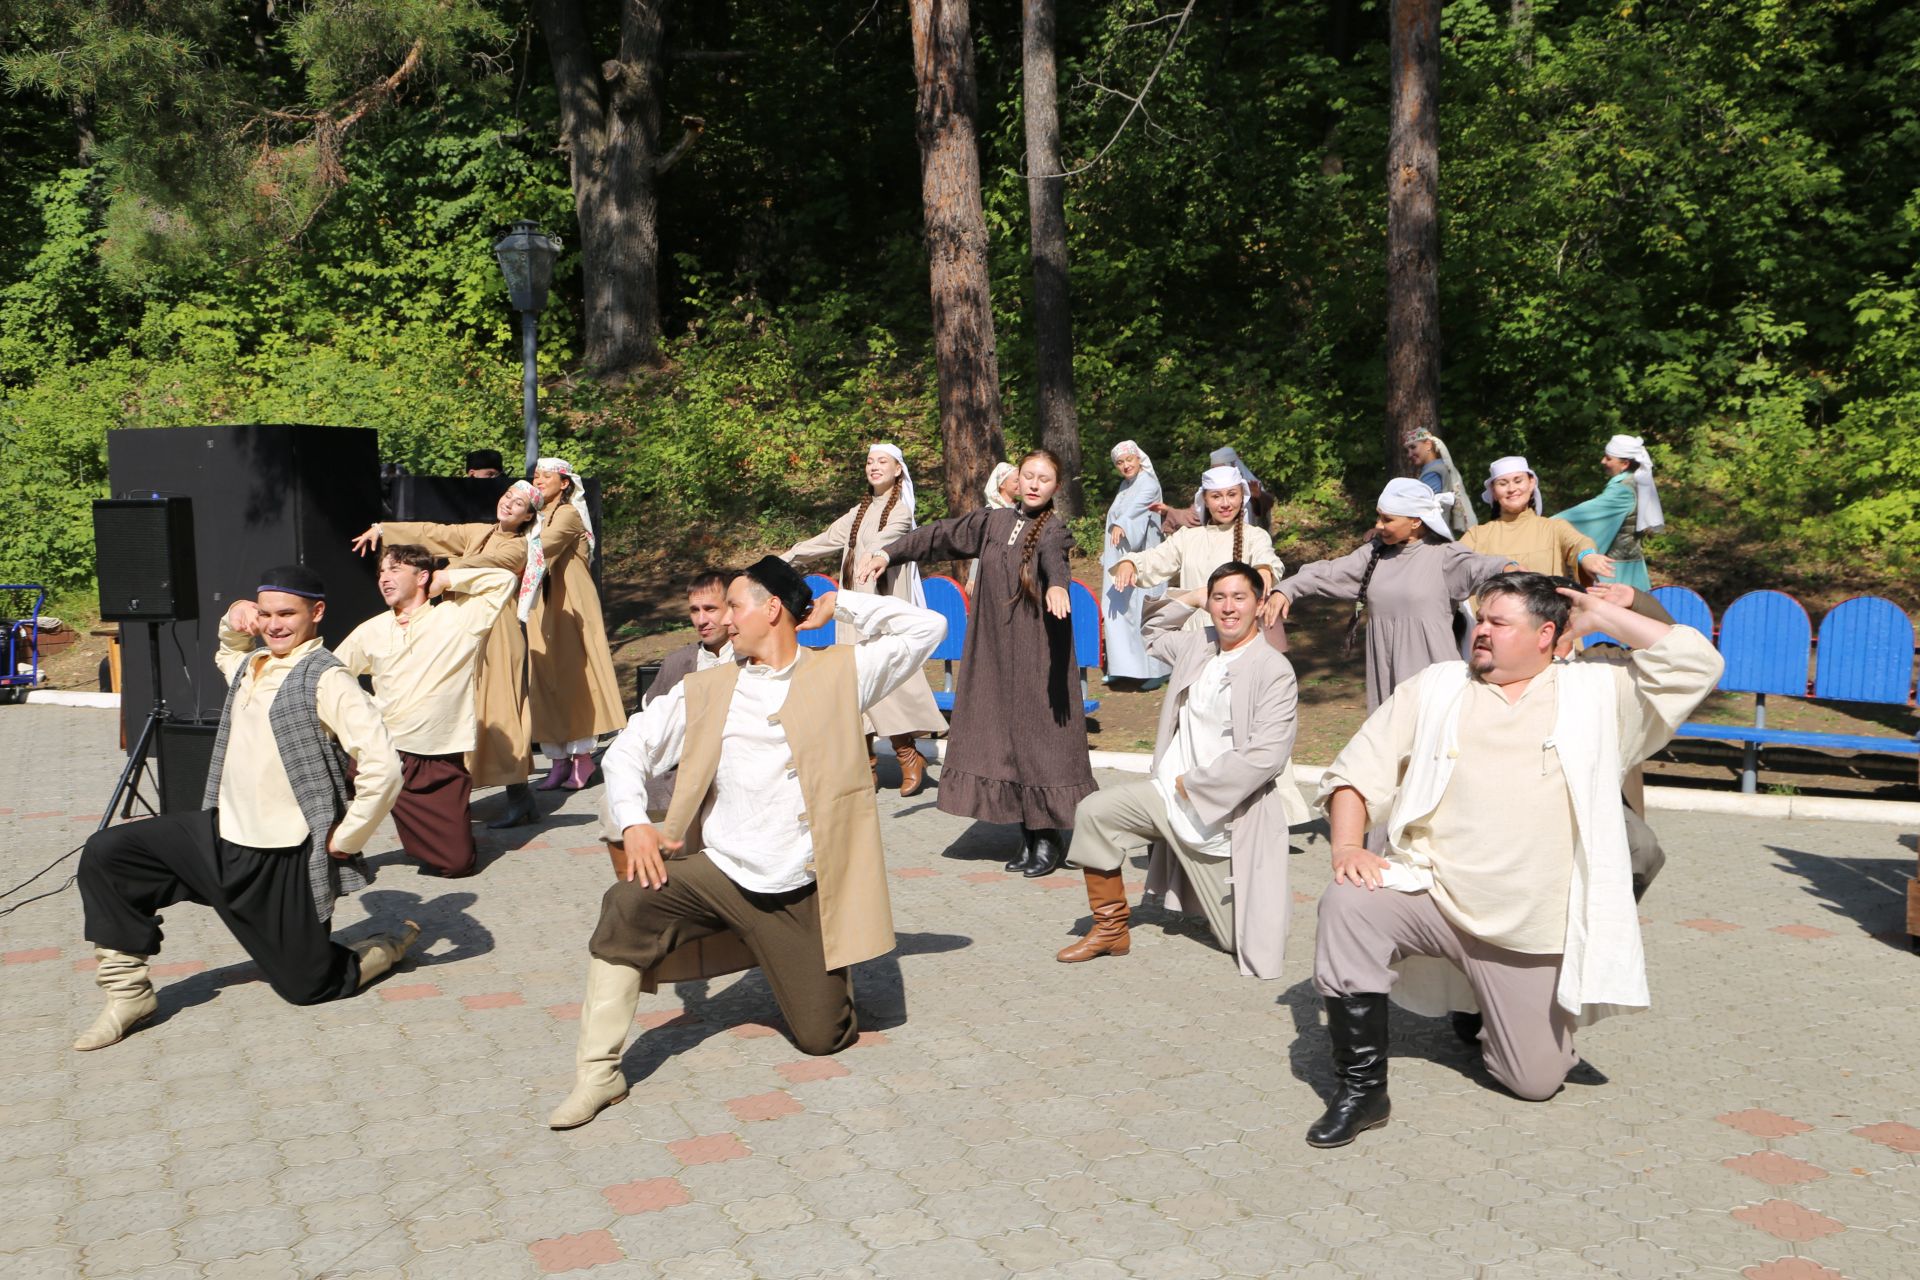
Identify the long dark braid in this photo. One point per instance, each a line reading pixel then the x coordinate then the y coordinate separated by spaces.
pixel 1239 527
pixel 1029 579
pixel 1360 599
pixel 853 534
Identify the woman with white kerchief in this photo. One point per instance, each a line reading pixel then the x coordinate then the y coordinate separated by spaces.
pixel 1131 529
pixel 1405 582
pixel 1188 558
pixel 1627 507
pixel 574 692
pixel 883 513
pixel 1437 472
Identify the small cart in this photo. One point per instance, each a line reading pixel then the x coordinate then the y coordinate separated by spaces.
pixel 22 671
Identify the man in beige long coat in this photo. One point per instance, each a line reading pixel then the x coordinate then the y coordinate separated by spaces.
pixel 1221 798
pixel 770 853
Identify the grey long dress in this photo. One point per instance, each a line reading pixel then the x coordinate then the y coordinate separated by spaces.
pixel 1410 603
pixel 1017 751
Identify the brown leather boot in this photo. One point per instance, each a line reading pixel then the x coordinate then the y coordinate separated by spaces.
pixel 873 762
pixel 1107 893
pixel 913 765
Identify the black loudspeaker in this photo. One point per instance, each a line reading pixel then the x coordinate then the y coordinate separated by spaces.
pixel 186 753
pixel 143 553
pixel 262 496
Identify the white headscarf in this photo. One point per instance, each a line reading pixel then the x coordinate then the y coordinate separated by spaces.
pixel 1229 458
pixel 1404 497
pixel 1450 481
pixel 913 522
pixel 1001 470
pixel 1648 518
pixel 1126 447
pixel 1216 479
pixel 1507 467
pixel 536 567
pixel 577 495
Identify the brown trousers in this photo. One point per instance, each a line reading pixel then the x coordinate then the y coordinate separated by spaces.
pixel 639 926
pixel 431 812
pixel 1526 1039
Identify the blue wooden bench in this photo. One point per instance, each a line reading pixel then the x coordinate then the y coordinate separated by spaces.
pixel 819 637
pixel 1865 654
pixel 948 599
pixel 1086 635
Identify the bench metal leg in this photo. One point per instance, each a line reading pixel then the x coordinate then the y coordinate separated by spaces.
pixel 1750 758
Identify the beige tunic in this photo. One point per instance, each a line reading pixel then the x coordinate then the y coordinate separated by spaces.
pixel 575 692
pixel 1501 842
pixel 909 709
pixel 1537 543
pixel 503 724
pixel 1191 555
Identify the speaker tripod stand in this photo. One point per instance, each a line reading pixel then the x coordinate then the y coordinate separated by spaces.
pixel 139 761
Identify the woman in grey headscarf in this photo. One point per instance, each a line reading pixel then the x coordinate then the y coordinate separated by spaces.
pixel 1259 501
pixel 1439 474
pixel 1131 529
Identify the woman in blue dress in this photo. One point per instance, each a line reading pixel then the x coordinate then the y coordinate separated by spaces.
pixel 1626 509
pixel 1131 529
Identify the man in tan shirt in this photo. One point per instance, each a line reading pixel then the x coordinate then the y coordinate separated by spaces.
pixel 1498 783
pixel 423 654
pixel 279 835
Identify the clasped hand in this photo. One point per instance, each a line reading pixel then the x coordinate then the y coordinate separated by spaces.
pixel 642 855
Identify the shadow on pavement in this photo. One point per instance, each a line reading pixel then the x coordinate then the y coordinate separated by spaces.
pixel 1870 892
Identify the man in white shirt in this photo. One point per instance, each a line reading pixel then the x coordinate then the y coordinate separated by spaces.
pixel 712 645
pixel 1221 798
pixel 423 653
pixel 770 853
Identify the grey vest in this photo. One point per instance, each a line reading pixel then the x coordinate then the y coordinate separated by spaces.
pixel 316 768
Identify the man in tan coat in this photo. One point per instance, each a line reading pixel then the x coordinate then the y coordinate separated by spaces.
pixel 1221 798
pixel 770 853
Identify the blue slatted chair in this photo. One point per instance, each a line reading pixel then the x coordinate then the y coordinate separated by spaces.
pixel 1767 642
pixel 820 637
pixel 1687 608
pixel 948 599
pixel 1086 635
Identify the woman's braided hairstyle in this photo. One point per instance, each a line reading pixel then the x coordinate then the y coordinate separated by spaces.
pixel 860 514
pixel 1360 599
pixel 1029 579
pixel 1239 519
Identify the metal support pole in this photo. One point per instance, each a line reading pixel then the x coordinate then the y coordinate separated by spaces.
pixel 1750 761
pixel 529 388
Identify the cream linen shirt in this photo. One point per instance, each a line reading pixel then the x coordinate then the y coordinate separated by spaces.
pixel 1190 556
pixel 1205 734
pixel 753 820
pixel 257 805
pixel 1501 841
pixel 423 666
pixel 1537 543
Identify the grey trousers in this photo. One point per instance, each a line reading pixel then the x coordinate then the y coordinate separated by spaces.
pixel 1114 821
pixel 1643 850
pixel 1526 1039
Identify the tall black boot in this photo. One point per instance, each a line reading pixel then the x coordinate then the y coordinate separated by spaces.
pixel 1049 854
pixel 1357 1025
pixel 520 808
pixel 1024 859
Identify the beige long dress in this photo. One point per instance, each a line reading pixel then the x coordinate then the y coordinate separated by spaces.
pixel 908 709
pixel 503 729
pixel 570 665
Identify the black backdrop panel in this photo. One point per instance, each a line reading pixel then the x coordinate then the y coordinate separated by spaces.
pixel 262 495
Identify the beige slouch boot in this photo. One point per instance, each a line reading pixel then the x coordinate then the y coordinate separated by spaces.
pixel 382 952
pixel 606 1015
pixel 130 999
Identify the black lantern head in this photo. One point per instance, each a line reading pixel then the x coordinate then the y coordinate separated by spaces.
pixel 526 256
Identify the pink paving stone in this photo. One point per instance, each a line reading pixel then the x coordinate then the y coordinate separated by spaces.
pixel 915 873
pixel 1064 883
pixel 1801 931
pixel 811 1069
pixel 1791 1269
pixel 1763 1124
pixel 32 956
pixel 564 1012
pixel 1775 1169
pixel 1709 925
pixel 665 1018
pixel 179 968
pixel 410 991
pixel 764 1106
pixel 1901 1137
pixel 586 848
pixel 1302 897
pixel 649 1195
pixel 711 1149
pixel 536 844
pixel 493 1000
pixel 86 964
pixel 50 813
pixel 1789 1221
pixel 572 1253
pixel 868 1039
pixel 985 877
pixel 752 1031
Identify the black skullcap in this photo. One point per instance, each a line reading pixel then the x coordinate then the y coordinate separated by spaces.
pixel 294 580
pixel 482 459
pixel 784 583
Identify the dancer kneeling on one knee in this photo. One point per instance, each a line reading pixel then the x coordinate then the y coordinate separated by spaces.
pixel 279 834
pixel 770 853
pixel 1221 798
pixel 1507 863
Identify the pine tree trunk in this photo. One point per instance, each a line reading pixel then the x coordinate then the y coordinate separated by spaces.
pixel 610 128
pixel 1520 23
pixel 965 361
pixel 1047 216
pixel 1413 230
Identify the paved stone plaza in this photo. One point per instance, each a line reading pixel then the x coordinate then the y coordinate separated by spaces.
pixel 1002 1115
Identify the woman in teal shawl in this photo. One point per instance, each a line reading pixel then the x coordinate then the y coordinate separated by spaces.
pixel 1627 507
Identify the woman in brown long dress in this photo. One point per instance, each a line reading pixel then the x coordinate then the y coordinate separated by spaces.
pixel 576 696
pixel 1018 748
pixel 502 754
pixel 876 520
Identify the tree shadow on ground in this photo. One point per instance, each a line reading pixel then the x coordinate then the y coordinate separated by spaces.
pixel 1871 893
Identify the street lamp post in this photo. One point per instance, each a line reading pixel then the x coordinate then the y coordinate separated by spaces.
pixel 526 256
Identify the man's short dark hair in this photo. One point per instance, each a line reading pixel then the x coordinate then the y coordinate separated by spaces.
pixel 1244 570
pixel 708 580
pixel 1538 593
pixel 485 460
pixel 784 583
pixel 412 556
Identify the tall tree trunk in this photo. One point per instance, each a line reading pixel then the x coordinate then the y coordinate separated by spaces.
pixel 610 128
pixel 1047 217
pixel 1520 23
pixel 965 361
pixel 1413 230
